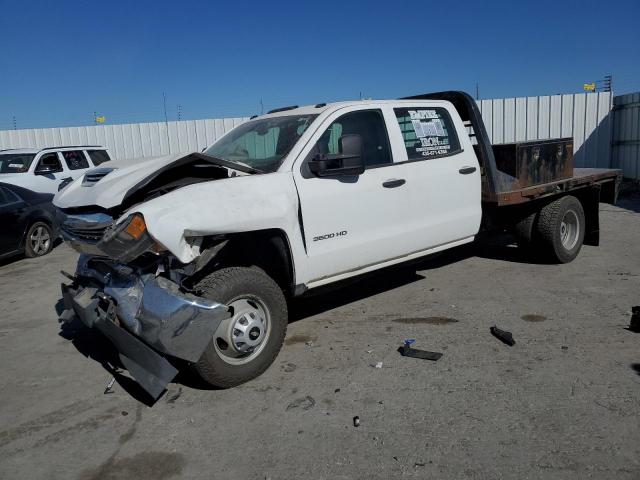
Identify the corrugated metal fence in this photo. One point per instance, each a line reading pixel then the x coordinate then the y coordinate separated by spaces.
pixel 583 116
pixel 587 117
pixel 134 140
pixel 626 134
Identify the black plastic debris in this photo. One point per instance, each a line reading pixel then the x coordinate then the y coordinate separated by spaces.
pixel 407 351
pixel 634 324
pixel 503 336
pixel 356 421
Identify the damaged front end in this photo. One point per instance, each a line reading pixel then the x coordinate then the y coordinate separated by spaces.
pixel 146 315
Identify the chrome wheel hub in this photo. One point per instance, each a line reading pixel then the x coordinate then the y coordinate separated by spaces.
pixel 569 229
pixel 242 337
pixel 40 240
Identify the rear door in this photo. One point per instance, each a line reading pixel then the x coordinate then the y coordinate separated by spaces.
pixel 352 222
pixel 443 175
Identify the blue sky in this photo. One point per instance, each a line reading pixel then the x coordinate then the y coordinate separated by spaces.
pixel 61 61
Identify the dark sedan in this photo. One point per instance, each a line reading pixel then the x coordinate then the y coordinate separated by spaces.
pixel 27 222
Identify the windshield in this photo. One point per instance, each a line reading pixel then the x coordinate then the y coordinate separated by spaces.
pixel 15 162
pixel 261 144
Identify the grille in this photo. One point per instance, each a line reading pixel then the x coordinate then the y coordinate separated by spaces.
pixel 94 176
pixel 88 228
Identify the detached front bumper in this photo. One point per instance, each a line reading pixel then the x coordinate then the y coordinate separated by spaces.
pixel 145 317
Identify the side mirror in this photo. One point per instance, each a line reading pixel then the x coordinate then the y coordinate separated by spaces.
pixel 47 169
pixel 349 162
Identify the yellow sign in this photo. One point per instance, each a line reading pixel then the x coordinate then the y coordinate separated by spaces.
pixel 101 119
pixel 589 87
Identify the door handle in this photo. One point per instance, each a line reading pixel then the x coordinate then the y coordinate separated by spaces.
pixel 394 182
pixel 467 170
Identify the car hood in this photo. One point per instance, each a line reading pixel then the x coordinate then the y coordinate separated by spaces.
pixel 112 182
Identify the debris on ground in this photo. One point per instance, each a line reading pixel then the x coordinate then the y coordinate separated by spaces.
pixel 503 336
pixel 634 324
pixel 336 390
pixel 110 386
pixel 306 403
pixel 356 421
pixel 378 365
pixel 407 351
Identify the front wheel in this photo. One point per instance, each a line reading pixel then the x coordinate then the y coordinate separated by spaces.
pixel 246 344
pixel 39 240
pixel 560 227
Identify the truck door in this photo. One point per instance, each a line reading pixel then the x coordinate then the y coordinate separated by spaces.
pixel 443 176
pixel 351 222
pixel 48 181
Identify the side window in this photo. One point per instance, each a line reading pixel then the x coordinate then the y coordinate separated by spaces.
pixel 369 124
pixel 98 156
pixel 428 132
pixel 75 159
pixel 51 160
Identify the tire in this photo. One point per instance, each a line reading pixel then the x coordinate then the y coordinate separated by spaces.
pixel 525 232
pixel 39 240
pixel 560 229
pixel 257 298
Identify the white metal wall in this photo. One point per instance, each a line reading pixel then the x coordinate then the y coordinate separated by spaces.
pixel 583 116
pixel 626 134
pixel 134 140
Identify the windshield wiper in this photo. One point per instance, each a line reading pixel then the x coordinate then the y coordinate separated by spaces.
pixel 242 167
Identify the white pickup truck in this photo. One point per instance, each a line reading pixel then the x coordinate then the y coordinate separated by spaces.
pixel 193 256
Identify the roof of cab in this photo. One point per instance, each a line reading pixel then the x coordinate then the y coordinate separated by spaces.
pixel 322 107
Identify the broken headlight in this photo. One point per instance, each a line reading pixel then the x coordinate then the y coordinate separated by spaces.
pixel 128 239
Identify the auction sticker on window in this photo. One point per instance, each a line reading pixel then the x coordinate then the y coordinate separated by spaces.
pixel 431 133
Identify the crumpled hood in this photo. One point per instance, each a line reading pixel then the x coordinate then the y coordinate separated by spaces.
pixel 110 190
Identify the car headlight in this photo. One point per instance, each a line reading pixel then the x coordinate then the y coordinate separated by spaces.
pixel 128 239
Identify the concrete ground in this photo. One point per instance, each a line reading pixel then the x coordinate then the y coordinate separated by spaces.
pixel 563 403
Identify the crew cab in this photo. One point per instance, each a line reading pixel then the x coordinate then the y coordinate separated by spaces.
pixel 48 170
pixel 193 256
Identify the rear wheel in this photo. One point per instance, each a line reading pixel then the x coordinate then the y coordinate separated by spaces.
pixel 560 228
pixel 246 344
pixel 39 240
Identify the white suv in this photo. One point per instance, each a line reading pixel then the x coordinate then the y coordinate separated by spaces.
pixel 48 170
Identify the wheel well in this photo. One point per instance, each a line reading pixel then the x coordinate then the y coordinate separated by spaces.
pixel 268 250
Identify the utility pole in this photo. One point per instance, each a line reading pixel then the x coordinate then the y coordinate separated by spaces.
pixel 95 118
pixel 15 125
pixel 261 106
pixel 179 112
pixel 607 84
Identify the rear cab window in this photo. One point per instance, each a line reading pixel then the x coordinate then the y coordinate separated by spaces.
pixel 75 159
pixel 427 132
pixel 98 156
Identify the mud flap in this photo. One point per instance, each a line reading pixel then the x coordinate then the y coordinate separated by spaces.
pixel 152 371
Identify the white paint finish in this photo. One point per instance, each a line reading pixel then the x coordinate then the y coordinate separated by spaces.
pixel 272 200
pixel 555 116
